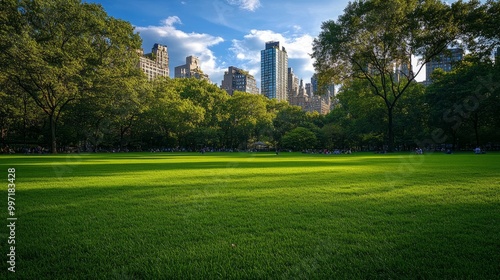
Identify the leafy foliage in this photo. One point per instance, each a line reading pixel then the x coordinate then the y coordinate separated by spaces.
pixel 59 51
pixel 299 139
pixel 69 78
pixel 463 102
pixel 375 41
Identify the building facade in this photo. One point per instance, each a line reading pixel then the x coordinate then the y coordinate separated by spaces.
pixel 328 89
pixel 309 91
pixel 402 70
pixel 191 69
pixel 308 101
pixel 321 104
pixel 155 64
pixel 300 97
pixel 293 85
pixel 274 71
pixel 240 80
pixel 445 61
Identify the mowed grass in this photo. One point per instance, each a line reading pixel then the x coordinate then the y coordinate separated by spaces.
pixel 254 216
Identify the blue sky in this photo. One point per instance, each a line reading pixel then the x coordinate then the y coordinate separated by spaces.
pixel 225 33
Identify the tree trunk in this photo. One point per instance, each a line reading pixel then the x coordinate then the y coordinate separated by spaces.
pixel 454 142
pixel 53 139
pixel 390 134
pixel 476 128
pixel 3 134
pixel 25 116
pixel 122 137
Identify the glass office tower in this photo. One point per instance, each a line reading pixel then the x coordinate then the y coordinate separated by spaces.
pixel 274 71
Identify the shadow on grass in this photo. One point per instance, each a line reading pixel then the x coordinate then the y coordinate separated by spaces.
pixel 134 232
pixel 289 223
pixel 115 168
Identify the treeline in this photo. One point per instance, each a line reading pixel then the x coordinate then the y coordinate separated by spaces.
pixel 458 111
pixel 372 48
pixel 192 114
pixel 69 81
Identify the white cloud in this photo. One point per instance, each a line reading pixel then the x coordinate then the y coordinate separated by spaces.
pixel 170 21
pixel 181 44
pixel 250 5
pixel 243 53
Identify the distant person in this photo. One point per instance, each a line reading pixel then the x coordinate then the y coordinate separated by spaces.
pixel 477 150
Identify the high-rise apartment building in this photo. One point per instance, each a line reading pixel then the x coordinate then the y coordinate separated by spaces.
pixel 309 91
pixel 240 80
pixel 314 83
pixel 445 61
pixel 402 70
pixel 154 64
pixel 293 85
pixel 328 89
pixel 274 71
pixel 191 69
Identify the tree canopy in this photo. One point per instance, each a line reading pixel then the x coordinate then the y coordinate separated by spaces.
pixel 69 79
pixel 57 51
pixel 376 40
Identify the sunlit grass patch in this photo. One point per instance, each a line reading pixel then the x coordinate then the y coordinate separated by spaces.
pixel 257 215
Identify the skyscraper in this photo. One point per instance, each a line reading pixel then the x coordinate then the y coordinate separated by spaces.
pixel 274 71
pixel 293 85
pixel 309 91
pixel 240 80
pixel 445 61
pixel 326 89
pixel 402 70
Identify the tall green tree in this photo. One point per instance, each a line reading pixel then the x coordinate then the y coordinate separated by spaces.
pixel 376 40
pixel 287 118
pixel 248 118
pixel 299 139
pixel 9 112
pixel 464 104
pixel 364 116
pixel 58 50
pixel 411 119
pixel 478 23
pixel 169 117
pixel 108 114
pixel 213 100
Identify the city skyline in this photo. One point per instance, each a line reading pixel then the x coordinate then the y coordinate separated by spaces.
pixel 226 33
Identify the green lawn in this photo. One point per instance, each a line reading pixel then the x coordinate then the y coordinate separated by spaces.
pixel 254 216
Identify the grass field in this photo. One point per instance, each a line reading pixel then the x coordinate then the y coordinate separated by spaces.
pixel 253 216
